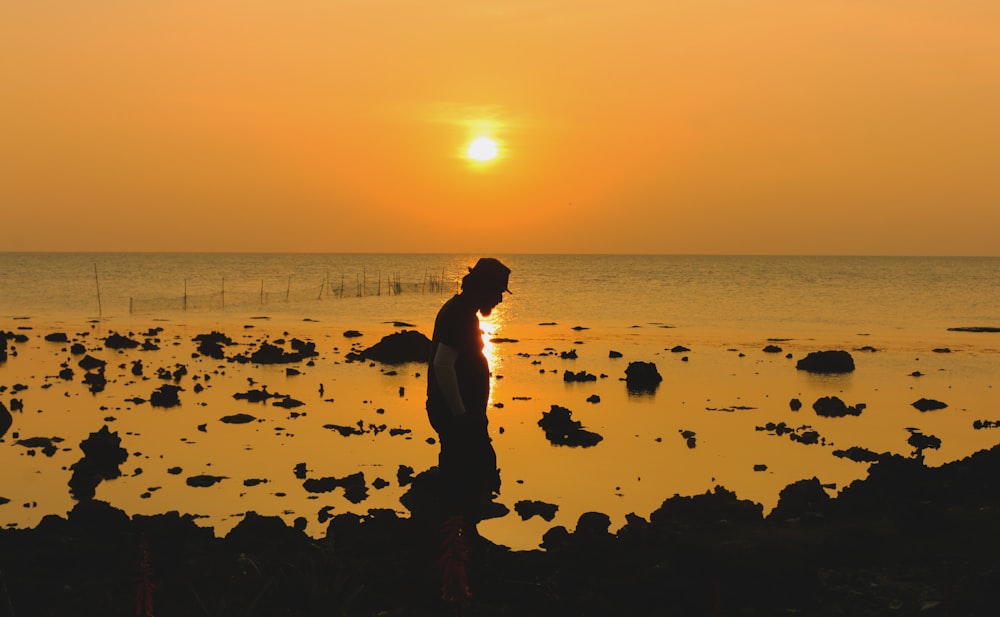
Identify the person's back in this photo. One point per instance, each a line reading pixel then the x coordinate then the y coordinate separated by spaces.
pixel 457 327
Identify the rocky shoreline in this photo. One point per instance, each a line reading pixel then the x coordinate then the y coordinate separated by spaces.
pixel 907 540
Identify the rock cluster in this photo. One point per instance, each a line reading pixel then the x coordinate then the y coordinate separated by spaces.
pixel 926 535
pixel 397 348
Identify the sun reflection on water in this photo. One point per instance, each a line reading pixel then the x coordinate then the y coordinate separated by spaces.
pixel 491 328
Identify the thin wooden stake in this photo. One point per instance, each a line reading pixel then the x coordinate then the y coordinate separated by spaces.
pixel 97 282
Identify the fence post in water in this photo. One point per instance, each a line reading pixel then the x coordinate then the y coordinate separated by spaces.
pixel 288 289
pixel 261 299
pixel 185 294
pixel 130 305
pixel 223 292
pixel 98 283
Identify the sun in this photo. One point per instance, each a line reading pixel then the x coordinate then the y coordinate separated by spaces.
pixel 482 149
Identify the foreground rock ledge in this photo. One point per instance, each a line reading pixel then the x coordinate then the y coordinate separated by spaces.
pixel 908 540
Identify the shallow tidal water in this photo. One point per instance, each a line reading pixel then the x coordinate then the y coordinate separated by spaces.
pixel 723 394
pixel 718 394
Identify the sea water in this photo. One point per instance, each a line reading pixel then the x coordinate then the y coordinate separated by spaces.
pixel 702 320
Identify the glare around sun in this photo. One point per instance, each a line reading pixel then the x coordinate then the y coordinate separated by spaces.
pixel 482 149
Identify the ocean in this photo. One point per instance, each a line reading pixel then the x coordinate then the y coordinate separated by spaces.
pixel 704 321
pixel 751 292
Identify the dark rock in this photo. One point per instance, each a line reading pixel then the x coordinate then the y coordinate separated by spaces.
pixel 593 525
pixel 397 348
pixel 556 538
pixel 404 475
pixel 593 398
pixel 527 509
pixel 833 407
pixel 95 380
pixel 922 442
pixel 805 499
pixel 272 354
pixel 117 341
pixel 102 456
pixel 204 480
pixel 858 455
pixel 570 376
pixel 6 420
pixel 90 363
pixel 642 377
pixel 355 488
pixel 827 362
pixel 679 349
pixel 165 396
pixel 57 337
pixel 562 430
pixel 690 438
pixel 98 518
pixel 795 404
pixel 104 448
pixel 46 444
pixel 212 344
pixel 238 418
pixel 706 511
pixel 287 402
pixel 254 396
pixel 614 354
pixel 772 349
pixel 568 355
pixel 257 534
pixel 346 431
pixel 926 404
pixel 352 334
pixel 808 437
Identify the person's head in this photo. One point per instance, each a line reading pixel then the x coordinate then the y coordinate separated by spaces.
pixel 486 283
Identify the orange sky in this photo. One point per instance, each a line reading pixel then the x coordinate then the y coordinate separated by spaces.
pixel 674 126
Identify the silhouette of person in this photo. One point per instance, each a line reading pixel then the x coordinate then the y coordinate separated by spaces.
pixel 458 390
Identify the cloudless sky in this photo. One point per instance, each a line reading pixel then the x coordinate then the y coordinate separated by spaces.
pixel 669 126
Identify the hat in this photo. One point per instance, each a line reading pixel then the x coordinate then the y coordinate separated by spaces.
pixel 490 270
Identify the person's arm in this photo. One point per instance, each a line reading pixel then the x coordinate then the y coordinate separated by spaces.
pixel 447 380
